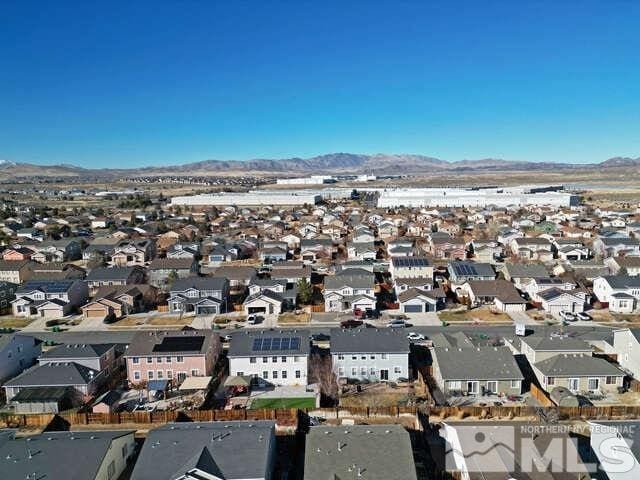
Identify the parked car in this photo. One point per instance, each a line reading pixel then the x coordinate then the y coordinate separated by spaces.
pixel 583 316
pixel 254 319
pixel 359 313
pixel 372 313
pixel 397 324
pixel 567 316
pixel 353 323
pixel 415 337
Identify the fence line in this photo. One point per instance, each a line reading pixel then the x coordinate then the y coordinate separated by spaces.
pixel 289 417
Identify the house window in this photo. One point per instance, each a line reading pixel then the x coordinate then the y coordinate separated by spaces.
pixel 274 359
pixel 284 374
pixel 397 370
pixel 160 374
pixel 136 360
pixel 372 371
pixel 611 380
pixel 593 384
pixel 265 374
pixel 283 359
pixel 551 381
pixel 340 372
pixel 515 383
pixel 383 356
pixel 150 374
pixel 298 374
pixel 354 357
pixel 180 359
pixel 363 371
pixel 363 357
pixel 240 374
pixel 372 357
pixel 159 360
pixel 265 359
pixel 252 359
pixel 354 371
pixel 168 359
pixel 274 374
pixel 169 374
pixel 136 375
pixel 340 357
pixel 195 372
pixel 149 359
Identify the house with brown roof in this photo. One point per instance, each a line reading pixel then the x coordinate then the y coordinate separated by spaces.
pixel 499 293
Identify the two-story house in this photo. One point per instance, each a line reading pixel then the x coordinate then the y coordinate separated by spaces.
pixel 349 289
pixel 621 293
pixel 49 298
pixel 200 295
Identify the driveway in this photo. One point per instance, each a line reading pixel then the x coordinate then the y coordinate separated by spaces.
pixel 522 318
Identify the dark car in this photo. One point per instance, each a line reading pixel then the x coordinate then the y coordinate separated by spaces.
pixel 351 323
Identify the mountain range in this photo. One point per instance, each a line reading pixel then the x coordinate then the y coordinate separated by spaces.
pixel 336 163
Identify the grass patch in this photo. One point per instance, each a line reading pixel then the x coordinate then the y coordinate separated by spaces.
pixel 14 322
pixel 270 403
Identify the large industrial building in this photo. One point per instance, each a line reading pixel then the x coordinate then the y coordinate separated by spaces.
pixel 312 180
pixel 246 199
pixel 468 197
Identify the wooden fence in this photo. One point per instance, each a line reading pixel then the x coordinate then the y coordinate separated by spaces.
pixel 289 417
pixel 541 396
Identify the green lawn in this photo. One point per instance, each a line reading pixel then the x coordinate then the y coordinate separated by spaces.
pixel 13 322
pixel 283 403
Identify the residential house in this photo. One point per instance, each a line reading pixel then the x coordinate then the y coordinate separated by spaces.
pixel 578 374
pixel 171 355
pixel 415 300
pixel 349 289
pixel 14 271
pixel 133 253
pixel 542 347
pixel 288 293
pixel 7 295
pixel 616 246
pixel 370 354
pixel 626 346
pixel 111 303
pixel 114 276
pixel 184 250
pixel 540 284
pixel 555 300
pixel 17 253
pixel 64 250
pixel 265 302
pixel 209 451
pixel 86 455
pixel 464 271
pixel 624 265
pixel 487 251
pixel 163 271
pixel 17 353
pixel 500 293
pixel 240 277
pixel 620 293
pixel 410 267
pixel 358 451
pixel 49 298
pixel 100 357
pixel 404 284
pixel 523 273
pixel 314 249
pixel 532 248
pixel 442 245
pixel 476 371
pixel 201 295
pixel 275 357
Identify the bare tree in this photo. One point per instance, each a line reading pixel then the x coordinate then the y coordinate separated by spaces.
pixel 321 372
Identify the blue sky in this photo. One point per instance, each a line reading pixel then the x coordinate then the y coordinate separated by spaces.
pixel 105 84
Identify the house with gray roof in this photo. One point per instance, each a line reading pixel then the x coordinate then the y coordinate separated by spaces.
pixel 276 357
pixel 621 293
pixel 85 455
pixel 461 271
pixel 374 452
pixel 476 371
pixel 578 373
pixel 201 295
pixel 80 381
pixel 208 450
pixel 17 353
pixel 373 354
pixel 349 289
pixel 522 273
pixel 103 277
pixel 49 298
pixel 541 347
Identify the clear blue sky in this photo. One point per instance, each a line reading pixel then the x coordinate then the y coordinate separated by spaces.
pixel 102 84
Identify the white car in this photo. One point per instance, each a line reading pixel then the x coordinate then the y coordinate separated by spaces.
pixel 397 324
pixel 567 316
pixel 585 317
pixel 415 337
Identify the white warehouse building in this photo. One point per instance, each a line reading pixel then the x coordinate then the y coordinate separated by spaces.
pixel 462 197
pixel 255 198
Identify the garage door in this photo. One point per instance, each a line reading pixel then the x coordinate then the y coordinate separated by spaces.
pixel 94 313
pixel 413 308
pixel 557 308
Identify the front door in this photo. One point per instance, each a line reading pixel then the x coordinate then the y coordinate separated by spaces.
pixel 384 374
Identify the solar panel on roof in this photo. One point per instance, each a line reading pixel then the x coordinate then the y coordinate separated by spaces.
pixel 257 344
pixel 295 343
pixel 285 344
pixel 266 344
pixel 275 344
pixel 179 344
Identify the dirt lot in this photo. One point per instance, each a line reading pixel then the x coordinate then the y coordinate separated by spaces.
pixel 475 315
pixel 14 322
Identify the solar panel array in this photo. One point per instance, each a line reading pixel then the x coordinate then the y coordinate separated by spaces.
pixel 465 269
pixel 276 344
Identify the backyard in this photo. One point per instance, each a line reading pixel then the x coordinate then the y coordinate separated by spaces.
pixel 270 403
